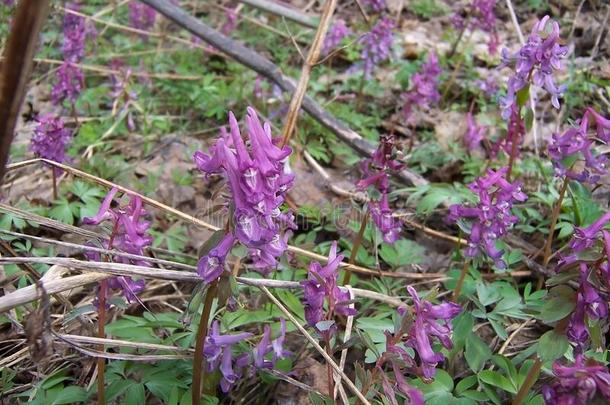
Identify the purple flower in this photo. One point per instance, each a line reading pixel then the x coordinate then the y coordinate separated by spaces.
pixel 377 45
pixel 381 213
pixel 266 346
pixel 431 321
pixel 535 62
pixel 335 35
pixel 231 22
pixel 211 266
pixel 424 91
pixel 129 235
pixel 489 86
pixel 480 16
pixel 258 183
pixel 474 133
pixel 141 16
pixel 375 5
pixel 576 144
pixel 577 384
pixel 69 84
pixel 217 350
pixel 321 286
pixel 491 218
pixel 50 138
pixel 585 238
pixel 414 396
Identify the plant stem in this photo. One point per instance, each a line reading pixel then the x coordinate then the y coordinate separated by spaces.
pixel 512 157
pixel 554 218
pixel 530 379
pixel 329 373
pixel 356 247
pixel 202 332
pixel 101 333
pixel 460 283
pixel 54 176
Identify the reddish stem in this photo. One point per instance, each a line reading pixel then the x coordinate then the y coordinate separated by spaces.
pixel 202 332
pixel 101 333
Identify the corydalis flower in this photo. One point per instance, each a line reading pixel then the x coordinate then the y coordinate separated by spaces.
pixel 375 5
pixel 141 16
pixel 335 35
pixel 475 133
pixel 377 45
pixel 75 32
pixel 69 84
pixel 481 16
pixel 50 138
pixel 376 173
pixel 536 61
pixel 430 322
pixel 424 88
pixel 266 346
pixel 129 235
pixel 577 384
pixel 217 350
pixel 231 21
pixel 320 287
pixel 491 218
pixel 576 144
pixel 258 183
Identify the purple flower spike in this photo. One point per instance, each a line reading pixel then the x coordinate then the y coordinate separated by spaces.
pixel 320 286
pixel 258 183
pixel 70 82
pixel 491 218
pixel 577 142
pixel 335 35
pixel 381 213
pixel 211 266
pixel 424 88
pixel 377 45
pixel 266 346
pixel 50 138
pixel 431 321
pixel 231 21
pixel 584 238
pixel 474 133
pixel 141 16
pixel 577 384
pixel 536 61
pixel 376 5
pixel 129 235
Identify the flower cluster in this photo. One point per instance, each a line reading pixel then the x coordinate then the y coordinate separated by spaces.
pixel 122 91
pixel 577 145
pixel 70 78
pixel 376 173
pixel 375 5
pixel 129 235
pixel 258 182
pixel 475 133
pixel 377 45
pixel 577 384
pixel 424 91
pixel 335 35
pixel 480 16
pixel 218 352
pixel 50 138
pixel 419 326
pixel 591 297
pixel 321 286
pixel 141 16
pixel 491 218
pixel 231 21
pixel 536 61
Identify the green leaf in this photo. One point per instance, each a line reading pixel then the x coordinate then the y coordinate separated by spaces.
pixel 497 380
pixel 64 211
pixel 552 345
pixel 560 304
pixel 523 95
pixel 466 383
pixel 477 352
pixel 403 252
pixel 70 395
pixel 135 395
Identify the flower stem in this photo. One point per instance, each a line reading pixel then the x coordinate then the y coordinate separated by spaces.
pixel 101 333
pixel 460 283
pixel 54 176
pixel 356 247
pixel 554 218
pixel 329 373
pixel 512 157
pixel 530 380
pixel 202 332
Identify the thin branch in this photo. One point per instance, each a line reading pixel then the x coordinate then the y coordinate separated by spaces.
pixel 283 11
